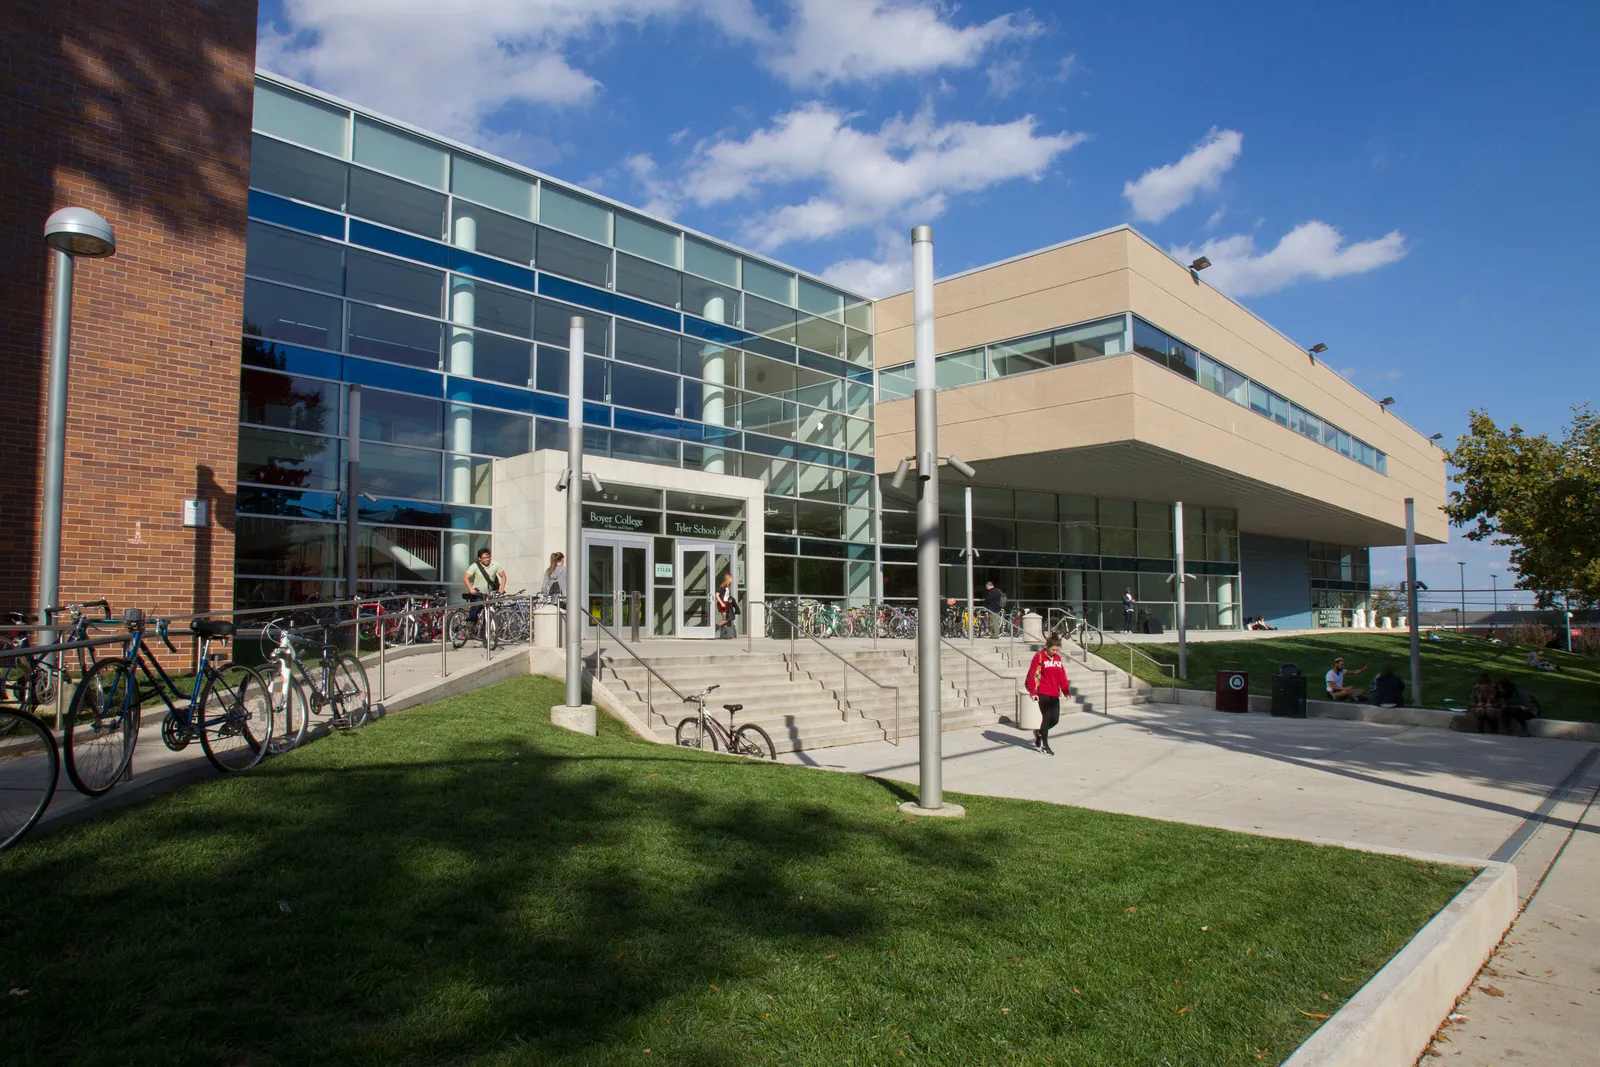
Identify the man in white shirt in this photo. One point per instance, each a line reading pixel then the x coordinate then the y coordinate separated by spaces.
pixel 1334 681
pixel 484 577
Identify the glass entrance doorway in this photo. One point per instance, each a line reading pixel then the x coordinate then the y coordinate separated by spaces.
pixel 700 566
pixel 616 574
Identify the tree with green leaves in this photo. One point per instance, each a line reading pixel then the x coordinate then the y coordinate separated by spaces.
pixel 1537 496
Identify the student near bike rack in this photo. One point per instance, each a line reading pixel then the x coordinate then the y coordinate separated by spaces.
pixel 1047 684
pixel 493 577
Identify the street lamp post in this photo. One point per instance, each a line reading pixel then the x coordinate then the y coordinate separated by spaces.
pixel 1461 625
pixel 574 714
pixel 1495 618
pixel 70 233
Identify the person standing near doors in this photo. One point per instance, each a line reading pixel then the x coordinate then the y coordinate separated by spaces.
pixel 554 585
pixel 1047 684
pixel 727 607
pixel 1127 609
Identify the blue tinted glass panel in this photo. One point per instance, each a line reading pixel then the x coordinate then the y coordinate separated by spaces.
pixel 475 266
pixel 1151 342
pixel 768 347
pixel 289 503
pixel 394 336
pixel 547 433
pixel 552 326
pixel 826 456
pixel 1383 463
pixel 836 367
pixel 596 415
pixel 292 315
pixel 768 446
pixel 467 391
pixel 573 293
pixel 551 407
pixel 723 438
pixel 645 449
pixel 499 433
pixel 640 422
pixel 646 390
pixel 862 375
pixel 258 353
pixel 713 331
pixel 288 213
pixel 656 316
pixel 389 376
pixel 397 243
pixel 596 442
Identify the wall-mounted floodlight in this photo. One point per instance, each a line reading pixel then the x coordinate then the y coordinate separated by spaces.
pixel 962 468
pixel 1385 402
pixel 900 473
pixel 561 482
pixel 1436 437
pixel 1200 264
pixel 594 481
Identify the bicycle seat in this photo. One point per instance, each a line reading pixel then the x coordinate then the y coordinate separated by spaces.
pixel 731 708
pixel 211 627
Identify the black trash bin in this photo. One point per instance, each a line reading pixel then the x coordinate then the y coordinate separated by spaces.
pixel 780 616
pixel 1289 692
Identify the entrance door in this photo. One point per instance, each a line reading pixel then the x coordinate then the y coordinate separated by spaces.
pixel 701 565
pixel 616 581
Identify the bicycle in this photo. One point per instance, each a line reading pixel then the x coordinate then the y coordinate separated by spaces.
pixel 463 628
pixel 1089 638
pixel 31 680
pixel 28 773
pixel 229 710
pixel 702 731
pixel 340 686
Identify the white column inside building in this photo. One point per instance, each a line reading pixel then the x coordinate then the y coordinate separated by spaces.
pixel 714 376
pixel 463 316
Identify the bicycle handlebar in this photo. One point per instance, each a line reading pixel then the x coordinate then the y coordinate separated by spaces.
pixel 701 696
pixel 162 626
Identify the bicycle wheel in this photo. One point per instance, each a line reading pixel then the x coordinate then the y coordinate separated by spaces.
pixel 692 733
pixel 290 715
pixel 28 772
pixel 102 727
pixel 751 740
pixel 348 692
pixel 458 629
pixel 235 717
pixel 1091 639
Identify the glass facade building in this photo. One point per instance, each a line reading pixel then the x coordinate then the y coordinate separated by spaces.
pixel 442 282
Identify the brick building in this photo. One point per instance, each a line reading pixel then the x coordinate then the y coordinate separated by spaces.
pixel 145 120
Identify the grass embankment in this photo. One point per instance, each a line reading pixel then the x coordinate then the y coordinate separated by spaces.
pixel 1450 666
pixel 465 883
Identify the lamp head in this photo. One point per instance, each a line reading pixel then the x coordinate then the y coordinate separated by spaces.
pixel 964 469
pixel 1200 264
pixel 1386 401
pixel 77 231
pixel 900 473
pixel 1317 349
pixel 1436 436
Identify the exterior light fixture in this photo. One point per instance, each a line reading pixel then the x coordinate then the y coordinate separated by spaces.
pixel 1200 264
pixel 1315 349
pixel 1436 437
pixel 77 231
pixel 1385 402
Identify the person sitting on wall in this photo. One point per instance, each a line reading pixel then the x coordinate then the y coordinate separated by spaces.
pixel 1517 706
pixel 1388 691
pixel 1537 662
pixel 1334 682
pixel 1483 709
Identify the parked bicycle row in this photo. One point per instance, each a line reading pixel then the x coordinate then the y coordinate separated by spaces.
pixel 815 618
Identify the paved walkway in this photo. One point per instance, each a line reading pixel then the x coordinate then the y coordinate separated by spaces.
pixel 1397 787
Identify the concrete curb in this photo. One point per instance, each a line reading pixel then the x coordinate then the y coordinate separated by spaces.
pixel 462 681
pixel 1433 718
pixel 1391 1019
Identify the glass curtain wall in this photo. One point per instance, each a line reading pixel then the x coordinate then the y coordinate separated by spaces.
pixel 1341 584
pixel 443 282
pixel 1054 550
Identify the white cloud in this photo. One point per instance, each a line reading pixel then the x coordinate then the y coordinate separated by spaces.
pixel 661 198
pixel 1310 250
pixel 907 168
pixel 1216 217
pixel 871 277
pixel 862 40
pixel 449 67
pixel 1005 77
pixel 1067 67
pixel 1162 190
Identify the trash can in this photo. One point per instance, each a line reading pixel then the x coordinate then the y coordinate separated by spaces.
pixel 779 626
pixel 1289 692
pixel 1233 690
pixel 1029 717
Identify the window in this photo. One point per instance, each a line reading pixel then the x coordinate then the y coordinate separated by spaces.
pixel 395 203
pixel 959 368
pixel 552 326
pixel 648 281
pixel 770 282
pixel 1183 359
pixel 1150 342
pixel 496 433
pixel 1101 338
pixel 494 234
pixel 769 376
pixel 715 263
pixel 493 186
pixel 1258 399
pixel 292 460
pixel 576 259
pixel 408 472
pixel 393 336
pixel 285 113
pixel 647 239
pixel 287 548
pixel 647 348
pixel 574 214
pixel 295 173
pixel 289 257
pixel 1279 408
pixel 635 387
pixel 769 319
pixel 401 419
pixel 710 301
pixel 393 283
pixel 820 335
pixel 501 359
pixel 388 149
pixel 292 315
pixel 290 403
pixel 820 300
pixel 858 316
pixel 1017 357
pixel 494 308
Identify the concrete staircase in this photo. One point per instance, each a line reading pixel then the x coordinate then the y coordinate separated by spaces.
pixel 814 701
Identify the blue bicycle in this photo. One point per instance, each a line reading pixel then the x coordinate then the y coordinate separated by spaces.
pixel 229 709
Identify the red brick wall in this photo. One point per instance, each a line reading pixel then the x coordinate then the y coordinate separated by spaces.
pixel 140 111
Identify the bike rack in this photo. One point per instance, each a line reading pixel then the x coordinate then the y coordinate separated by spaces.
pixel 794 628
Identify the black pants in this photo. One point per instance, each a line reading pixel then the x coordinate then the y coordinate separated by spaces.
pixel 1127 620
pixel 476 600
pixel 1049 715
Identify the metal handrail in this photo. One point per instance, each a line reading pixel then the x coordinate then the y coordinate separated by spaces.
pixel 1009 631
pixel 794 626
pixel 1109 635
pixel 971 659
pixel 650 672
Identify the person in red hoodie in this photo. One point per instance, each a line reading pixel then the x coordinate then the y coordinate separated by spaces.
pixel 1047 684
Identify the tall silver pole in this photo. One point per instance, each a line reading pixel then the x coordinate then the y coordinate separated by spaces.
pixel 1411 600
pixel 352 497
pixel 970 627
pixel 55 441
pixel 931 789
pixel 574 510
pixel 1463 565
pixel 1183 629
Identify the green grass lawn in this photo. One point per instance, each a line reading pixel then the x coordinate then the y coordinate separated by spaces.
pixel 464 883
pixel 1450 666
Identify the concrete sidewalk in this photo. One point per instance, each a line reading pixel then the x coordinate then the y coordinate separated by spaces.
pixel 1376 786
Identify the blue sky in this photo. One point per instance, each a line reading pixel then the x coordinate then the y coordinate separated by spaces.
pixel 1410 184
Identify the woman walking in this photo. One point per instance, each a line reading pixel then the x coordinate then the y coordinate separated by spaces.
pixel 1047 684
